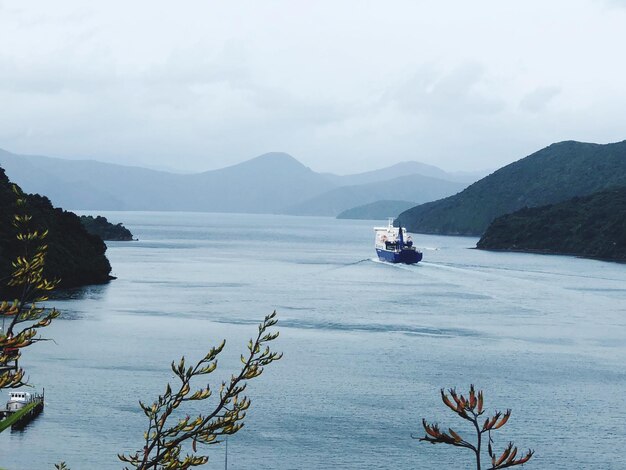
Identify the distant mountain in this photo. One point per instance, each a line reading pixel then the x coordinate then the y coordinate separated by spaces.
pixel 270 183
pixel 379 210
pixel 403 169
pixel 387 173
pixel 263 184
pixel 410 187
pixel 591 226
pixel 74 256
pixel 467 176
pixel 555 173
pixel 86 184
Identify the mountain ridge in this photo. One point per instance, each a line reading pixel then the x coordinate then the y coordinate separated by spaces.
pixel 558 172
pixel 269 183
pixel 378 210
pixel 414 187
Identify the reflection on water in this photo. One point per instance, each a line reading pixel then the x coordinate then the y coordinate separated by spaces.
pixel 367 345
pixel 94 292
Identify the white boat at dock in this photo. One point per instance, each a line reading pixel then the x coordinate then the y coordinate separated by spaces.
pixel 21 408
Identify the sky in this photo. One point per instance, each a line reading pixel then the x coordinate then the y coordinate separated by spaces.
pixel 344 86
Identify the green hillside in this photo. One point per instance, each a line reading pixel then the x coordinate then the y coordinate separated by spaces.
pixel 74 256
pixel 555 173
pixel 591 226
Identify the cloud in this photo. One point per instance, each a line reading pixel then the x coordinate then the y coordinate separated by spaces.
pixel 340 86
pixel 461 91
pixel 537 100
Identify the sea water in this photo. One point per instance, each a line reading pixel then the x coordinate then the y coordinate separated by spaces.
pixel 367 347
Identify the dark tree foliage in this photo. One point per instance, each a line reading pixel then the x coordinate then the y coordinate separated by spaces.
pixel 592 226
pixel 74 256
pixel 101 227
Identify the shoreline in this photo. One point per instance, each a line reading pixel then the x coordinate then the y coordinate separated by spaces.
pixel 550 252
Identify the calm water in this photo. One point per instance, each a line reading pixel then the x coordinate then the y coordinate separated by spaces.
pixel 367 346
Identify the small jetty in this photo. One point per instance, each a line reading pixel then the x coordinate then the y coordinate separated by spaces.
pixel 21 408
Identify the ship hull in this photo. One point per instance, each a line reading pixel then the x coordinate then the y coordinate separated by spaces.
pixel 402 256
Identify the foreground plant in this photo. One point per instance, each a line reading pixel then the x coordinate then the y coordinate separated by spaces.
pixel 164 441
pixel 28 281
pixel 168 429
pixel 471 409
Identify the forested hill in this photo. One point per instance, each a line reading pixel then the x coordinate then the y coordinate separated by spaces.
pixel 555 173
pixel 104 229
pixel 591 226
pixel 74 256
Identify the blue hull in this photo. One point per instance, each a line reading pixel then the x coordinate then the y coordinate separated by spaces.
pixel 403 256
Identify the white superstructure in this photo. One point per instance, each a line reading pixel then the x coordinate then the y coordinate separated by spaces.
pixel 18 400
pixel 388 234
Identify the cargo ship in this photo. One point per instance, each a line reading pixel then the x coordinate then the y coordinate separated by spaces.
pixel 394 245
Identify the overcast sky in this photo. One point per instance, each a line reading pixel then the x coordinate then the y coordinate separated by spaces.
pixel 343 86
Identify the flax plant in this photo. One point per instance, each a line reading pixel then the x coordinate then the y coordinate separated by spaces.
pixel 31 287
pixel 471 409
pixel 168 429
